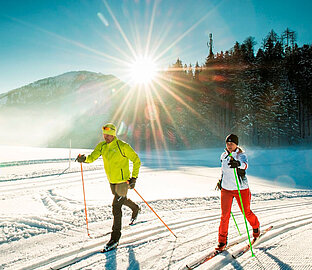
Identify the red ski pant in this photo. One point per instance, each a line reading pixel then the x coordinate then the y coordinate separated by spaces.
pixel 226 205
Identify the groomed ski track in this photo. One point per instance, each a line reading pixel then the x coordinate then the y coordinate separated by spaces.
pixel 58 240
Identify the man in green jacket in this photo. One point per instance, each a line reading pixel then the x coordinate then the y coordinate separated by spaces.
pixel 116 155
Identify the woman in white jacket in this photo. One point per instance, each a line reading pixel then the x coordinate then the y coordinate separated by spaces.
pixel 234 159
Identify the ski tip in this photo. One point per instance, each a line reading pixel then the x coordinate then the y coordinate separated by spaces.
pixel 105 251
pixel 267 229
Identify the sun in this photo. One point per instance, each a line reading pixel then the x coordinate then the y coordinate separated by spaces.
pixel 143 70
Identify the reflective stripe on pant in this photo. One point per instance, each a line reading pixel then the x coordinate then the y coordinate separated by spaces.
pixel 226 205
pixel 120 198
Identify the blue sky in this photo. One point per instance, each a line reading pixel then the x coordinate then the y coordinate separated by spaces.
pixel 40 38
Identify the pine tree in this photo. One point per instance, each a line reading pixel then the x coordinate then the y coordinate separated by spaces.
pixel 299 65
pixel 288 38
pixel 185 69
pixel 190 71
pixel 249 44
pixel 197 71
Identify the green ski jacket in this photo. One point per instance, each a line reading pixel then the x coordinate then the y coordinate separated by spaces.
pixel 116 156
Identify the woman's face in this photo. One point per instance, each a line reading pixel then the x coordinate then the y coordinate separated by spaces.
pixel 230 146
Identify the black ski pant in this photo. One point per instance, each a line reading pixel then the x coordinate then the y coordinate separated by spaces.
pixel 120 198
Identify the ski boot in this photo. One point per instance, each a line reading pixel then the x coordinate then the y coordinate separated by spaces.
pixel 221 246
pixel 112 244
pixel 134 215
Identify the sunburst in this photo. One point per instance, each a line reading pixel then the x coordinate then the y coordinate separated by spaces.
pixel 143 70
pixel 147 82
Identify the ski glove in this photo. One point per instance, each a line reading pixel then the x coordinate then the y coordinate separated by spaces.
pixel 81 158
pixel 132 181
pixel 234 163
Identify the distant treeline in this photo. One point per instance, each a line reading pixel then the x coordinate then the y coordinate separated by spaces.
pixel 265 97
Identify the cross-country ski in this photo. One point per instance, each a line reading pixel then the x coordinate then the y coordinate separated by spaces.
pixel 207 257
pixel 246 248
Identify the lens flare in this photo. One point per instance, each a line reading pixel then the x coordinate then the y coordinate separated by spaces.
pixel 143 70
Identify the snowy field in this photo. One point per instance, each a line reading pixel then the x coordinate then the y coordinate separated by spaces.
pixel 42 220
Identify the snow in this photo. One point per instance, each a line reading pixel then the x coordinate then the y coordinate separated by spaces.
pixel 42 219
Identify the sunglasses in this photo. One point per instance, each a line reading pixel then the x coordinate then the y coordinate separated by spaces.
pixel 107 128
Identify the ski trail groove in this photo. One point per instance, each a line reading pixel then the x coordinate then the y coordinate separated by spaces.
pixel 89 250
pixel 277 231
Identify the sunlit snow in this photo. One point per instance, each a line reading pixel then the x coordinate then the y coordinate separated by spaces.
pixel 42 219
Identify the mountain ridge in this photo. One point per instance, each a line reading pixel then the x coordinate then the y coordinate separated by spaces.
pixel 46 112
pixel 54 86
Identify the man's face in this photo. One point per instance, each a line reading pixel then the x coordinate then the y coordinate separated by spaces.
pixel 108 138
pixel 230 146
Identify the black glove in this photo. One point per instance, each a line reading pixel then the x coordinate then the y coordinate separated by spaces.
pixel 132 181
pixel 80 158
pixel 234 163
pixel 218 186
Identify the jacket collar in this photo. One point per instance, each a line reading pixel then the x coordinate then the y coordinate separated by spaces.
pixel 228 153
pixel 112 142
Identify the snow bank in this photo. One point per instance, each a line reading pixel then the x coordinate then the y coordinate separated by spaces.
pixel 284 166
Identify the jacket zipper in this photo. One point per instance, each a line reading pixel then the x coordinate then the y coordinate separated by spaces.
pixel 121 174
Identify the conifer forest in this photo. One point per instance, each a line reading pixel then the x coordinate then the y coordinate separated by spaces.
pixel 264 96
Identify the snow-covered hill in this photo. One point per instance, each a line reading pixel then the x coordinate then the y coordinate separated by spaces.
pixel 58 88
pixel 42 220
pixel 47 112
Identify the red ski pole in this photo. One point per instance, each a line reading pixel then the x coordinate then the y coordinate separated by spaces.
pixel 84 198
pixel 154 212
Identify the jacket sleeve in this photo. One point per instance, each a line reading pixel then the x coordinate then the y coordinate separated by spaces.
pixel 244 161
pixel 133 156
pixel 221 157
pixel 95 153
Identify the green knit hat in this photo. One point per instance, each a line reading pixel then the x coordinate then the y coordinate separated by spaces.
pixel 109 129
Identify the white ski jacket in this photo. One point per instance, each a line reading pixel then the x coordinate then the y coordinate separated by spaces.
pixel 228 177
